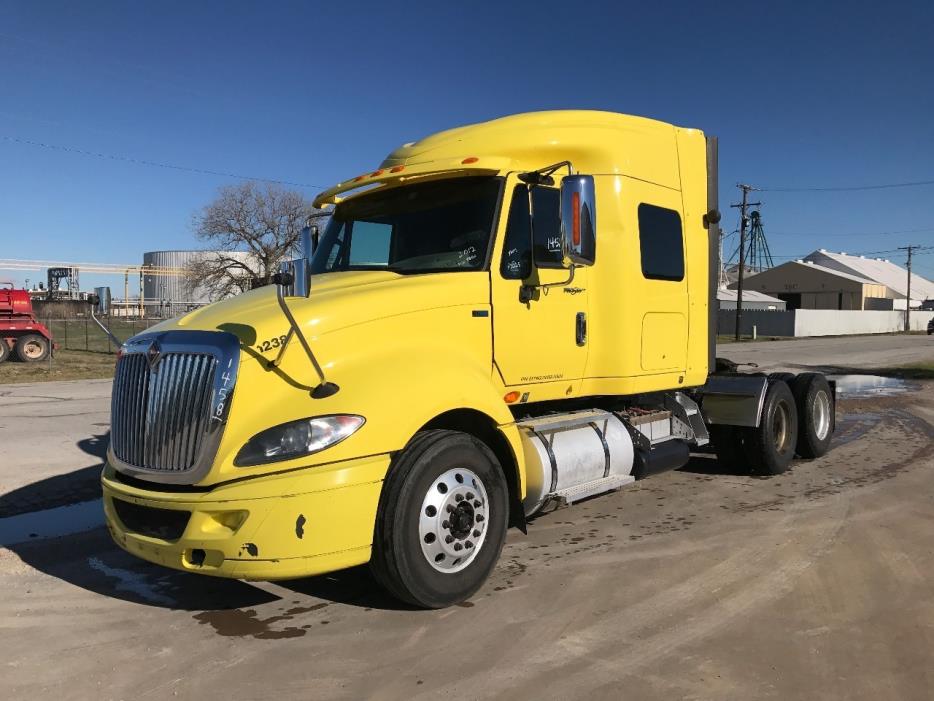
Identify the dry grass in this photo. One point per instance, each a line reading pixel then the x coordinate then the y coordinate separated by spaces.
pixel 65 365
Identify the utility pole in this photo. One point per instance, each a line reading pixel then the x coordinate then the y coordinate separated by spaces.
pixel 742 249
pixel 910 249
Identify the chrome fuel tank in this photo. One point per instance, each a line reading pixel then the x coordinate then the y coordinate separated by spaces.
pixel 574 455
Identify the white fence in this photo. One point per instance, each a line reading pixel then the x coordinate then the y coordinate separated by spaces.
pixel 820 322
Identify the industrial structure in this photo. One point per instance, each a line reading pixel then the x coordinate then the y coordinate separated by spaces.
pixel 167 294
pixel 163 283
pixel 826 280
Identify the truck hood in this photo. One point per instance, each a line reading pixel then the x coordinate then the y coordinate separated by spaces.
pixel 337 301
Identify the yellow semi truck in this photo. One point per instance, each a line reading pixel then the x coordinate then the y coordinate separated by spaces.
pixel 497 318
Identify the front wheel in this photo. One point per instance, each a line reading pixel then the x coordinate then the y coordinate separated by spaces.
pixel 442 519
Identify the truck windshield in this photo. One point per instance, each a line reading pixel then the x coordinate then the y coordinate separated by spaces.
pixel 435 226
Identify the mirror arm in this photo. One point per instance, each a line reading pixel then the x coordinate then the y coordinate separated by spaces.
pixel 116 341
pixel 525 292
pixel 325 389
pixel 542 176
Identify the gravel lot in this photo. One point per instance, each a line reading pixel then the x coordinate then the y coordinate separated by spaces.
pixel 692 584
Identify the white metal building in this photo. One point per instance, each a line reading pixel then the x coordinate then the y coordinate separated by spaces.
pixel 880 271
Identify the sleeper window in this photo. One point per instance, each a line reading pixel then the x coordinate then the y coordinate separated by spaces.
pixel 661 243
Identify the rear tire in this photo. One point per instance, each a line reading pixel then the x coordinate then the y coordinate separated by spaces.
pixel 4 350
pixel 815 405
pixel 444 489
pixel 32 348
pixel 770 447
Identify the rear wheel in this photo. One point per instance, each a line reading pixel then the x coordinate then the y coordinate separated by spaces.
pixel 815 405
pixel 770 447
pixel 441 522
pixel 4 350
pixel 32 348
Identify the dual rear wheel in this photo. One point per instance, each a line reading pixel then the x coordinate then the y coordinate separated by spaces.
pixel 29 348
pixel 797 419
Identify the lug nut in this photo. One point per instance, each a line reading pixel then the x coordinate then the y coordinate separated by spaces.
pixel 449 539
pixel 458 546
pixel 449 508
pixel 458 497
pixel 468 544
pixel 470 495
pixel 476 503
pixel 479 518
pixel 445 524
pixel 476 534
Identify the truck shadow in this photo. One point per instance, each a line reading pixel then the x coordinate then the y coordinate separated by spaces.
pixel 89 559
pixel 706 463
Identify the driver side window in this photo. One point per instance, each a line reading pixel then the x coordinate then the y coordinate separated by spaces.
pixel 517 247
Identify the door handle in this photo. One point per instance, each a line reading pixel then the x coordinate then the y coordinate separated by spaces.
pixel 581 328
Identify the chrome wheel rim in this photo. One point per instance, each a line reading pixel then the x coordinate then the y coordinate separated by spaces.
pixel 453 521
pixel 821 412
pixel 780 427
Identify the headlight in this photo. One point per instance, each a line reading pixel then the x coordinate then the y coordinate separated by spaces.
pixel 297 438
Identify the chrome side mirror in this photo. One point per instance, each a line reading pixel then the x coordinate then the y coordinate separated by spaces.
pixel 578 220
pixel 294 277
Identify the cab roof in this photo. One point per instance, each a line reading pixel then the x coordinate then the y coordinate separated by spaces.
pixel 597 143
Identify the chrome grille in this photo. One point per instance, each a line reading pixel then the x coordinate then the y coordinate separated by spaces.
pixel 161 415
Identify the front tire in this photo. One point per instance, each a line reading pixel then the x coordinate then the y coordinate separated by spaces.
pixel 444 490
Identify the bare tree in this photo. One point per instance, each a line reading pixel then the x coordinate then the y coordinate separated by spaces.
pixel 250 229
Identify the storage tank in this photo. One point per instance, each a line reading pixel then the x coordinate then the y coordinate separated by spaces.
pixel 170 295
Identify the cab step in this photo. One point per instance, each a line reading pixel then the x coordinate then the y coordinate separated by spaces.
pixel 589 489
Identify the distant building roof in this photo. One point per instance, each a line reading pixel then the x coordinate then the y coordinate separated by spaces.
pixel 725 295
pixel 810 266
pixel 876 270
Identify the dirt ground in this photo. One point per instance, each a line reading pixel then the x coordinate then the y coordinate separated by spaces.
pixel 694 584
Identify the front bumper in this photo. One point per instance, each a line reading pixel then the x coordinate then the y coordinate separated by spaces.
pixel 277 526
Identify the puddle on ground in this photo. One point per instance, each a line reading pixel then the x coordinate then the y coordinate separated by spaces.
pixel 855 386
pixel 51 523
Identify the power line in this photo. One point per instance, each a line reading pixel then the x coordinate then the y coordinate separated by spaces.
pixel 867 233
pixel 854 188
pixel 890 251
pixel 155 164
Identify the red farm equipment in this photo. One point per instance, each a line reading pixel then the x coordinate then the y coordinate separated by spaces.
pixel 21 334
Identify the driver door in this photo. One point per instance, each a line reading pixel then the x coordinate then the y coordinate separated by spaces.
pixel 542 341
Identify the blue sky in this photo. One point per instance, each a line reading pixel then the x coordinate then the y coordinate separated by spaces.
pixel 800 94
